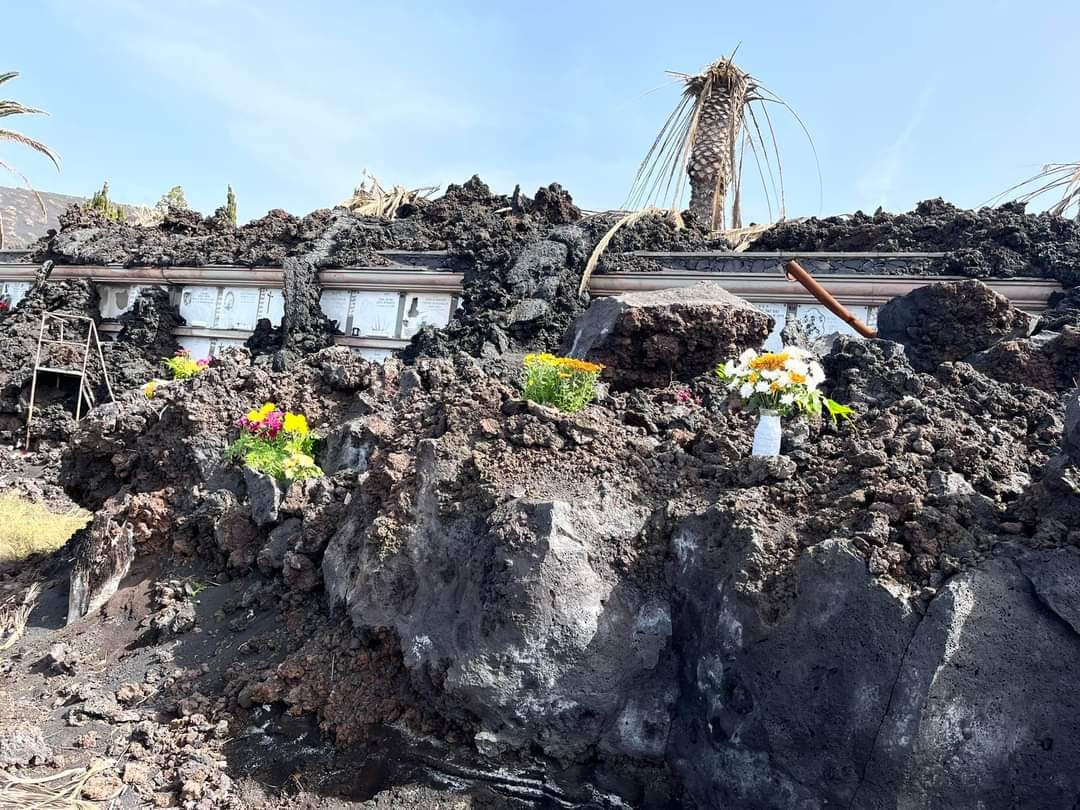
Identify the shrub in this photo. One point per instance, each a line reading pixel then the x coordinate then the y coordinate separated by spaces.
pixel 563 382
pixel 785 382
pixel 183 366
pixel 275 442
pixel 101 202
pixel 173 198
pixel 230 205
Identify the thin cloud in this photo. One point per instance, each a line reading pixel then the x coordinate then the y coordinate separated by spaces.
pixel 313 115
pixel 879 180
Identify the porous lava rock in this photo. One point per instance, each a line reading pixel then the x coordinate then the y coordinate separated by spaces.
pixel 951 320
pixel 620 600
pixel 1050 358
pixel 19 330
pixel 651 338
pixel 616 592
pixel 989 242
pixel 132 358
pixel 515 304
pixel 1047 360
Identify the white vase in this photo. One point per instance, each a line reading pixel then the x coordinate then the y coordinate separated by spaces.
pixel 767 435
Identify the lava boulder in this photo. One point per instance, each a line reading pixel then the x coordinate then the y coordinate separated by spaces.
pixel 951 320
pixel 1046 360
pixel 650 338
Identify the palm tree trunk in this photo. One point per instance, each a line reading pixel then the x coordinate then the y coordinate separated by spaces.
pixel 712 163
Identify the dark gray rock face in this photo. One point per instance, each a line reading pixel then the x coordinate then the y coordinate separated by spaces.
pixel 1072 425
pixel 851 698
pixel 146 337
pixel 265 496
pixel 650 338
pixel 951 320
pixel 1058 492
pixel 304 327
pixel 531 632
pixel 985 713
pixel 99 565
pixel 523 298
pixel 779 703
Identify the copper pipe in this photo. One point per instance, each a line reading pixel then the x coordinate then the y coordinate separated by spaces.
pixel 794 269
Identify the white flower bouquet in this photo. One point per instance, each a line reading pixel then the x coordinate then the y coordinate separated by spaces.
pixel 784 382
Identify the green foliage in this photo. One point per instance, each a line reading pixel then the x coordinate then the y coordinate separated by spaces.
pixel 230 205
pixel 563 382
pixel 276 443
pixel 101 202
pixel 285 456
pixel 182 366
pixel 838 411
pixel 174 198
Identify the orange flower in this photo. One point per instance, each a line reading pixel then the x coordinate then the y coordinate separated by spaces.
pixel 798 378
pixel 769 362
pixel 573 364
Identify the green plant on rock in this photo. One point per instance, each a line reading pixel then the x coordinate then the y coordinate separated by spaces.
pixel 565 383
pixel 277 443
pixel 230 205
pixel 173 198
pixel 100 202
pixel 183 366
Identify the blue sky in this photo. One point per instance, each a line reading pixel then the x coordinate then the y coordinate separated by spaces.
pixel 290 101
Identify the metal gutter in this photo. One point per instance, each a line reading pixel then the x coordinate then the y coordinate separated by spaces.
pixel 1026 293
pixel 762 287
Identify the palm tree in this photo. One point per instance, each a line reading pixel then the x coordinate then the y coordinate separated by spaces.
pixel 722 90
pixel 17 108
pixel 1063 178
pixel 705 138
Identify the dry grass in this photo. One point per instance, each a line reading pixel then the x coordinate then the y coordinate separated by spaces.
pixel 61 791
pixel 28 528
pixel 370 199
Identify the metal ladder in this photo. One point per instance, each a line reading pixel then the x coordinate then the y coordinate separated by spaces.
pixel 92 341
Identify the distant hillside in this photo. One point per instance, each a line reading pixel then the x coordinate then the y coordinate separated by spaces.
pixel 23 221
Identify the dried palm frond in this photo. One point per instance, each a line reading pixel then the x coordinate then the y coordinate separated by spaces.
pixel 9 107
pixel 14 614
pixel 1060 178
pixel 706 138
pixel 60 791
pixel 370 199
pixel 627 219
pixel 740 239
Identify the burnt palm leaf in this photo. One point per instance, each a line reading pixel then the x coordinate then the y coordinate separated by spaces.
pixel 704 140
pixel 1058 178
